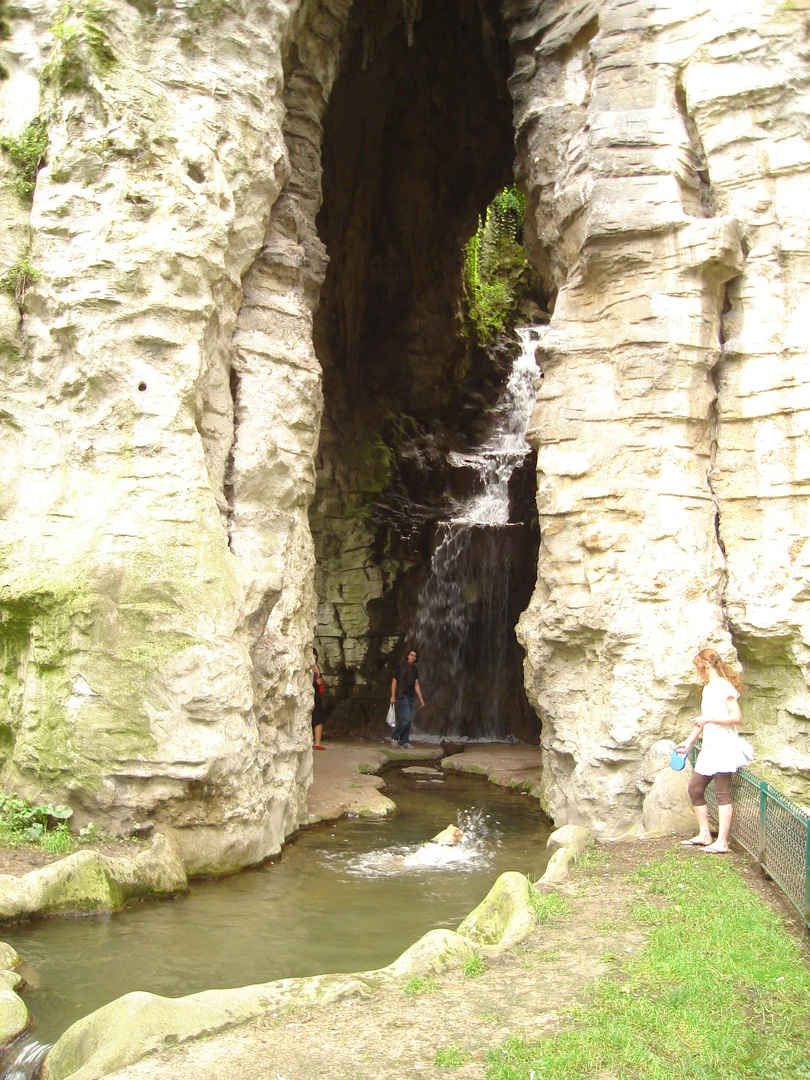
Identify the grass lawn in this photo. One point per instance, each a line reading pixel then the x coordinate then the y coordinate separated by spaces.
pixel 720 992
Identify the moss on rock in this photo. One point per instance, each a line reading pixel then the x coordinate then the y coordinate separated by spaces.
pixel 504 917
pixel 88 881
pixel 13 1011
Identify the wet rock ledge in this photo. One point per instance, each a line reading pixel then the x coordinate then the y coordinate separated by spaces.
pixel 90 881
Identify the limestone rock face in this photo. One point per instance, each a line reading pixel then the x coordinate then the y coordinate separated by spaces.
pixel 161 395
pixel 161 407
pixel 663 156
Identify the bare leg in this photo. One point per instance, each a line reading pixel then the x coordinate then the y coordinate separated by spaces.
pixel 724 815
pixel 704 836
pixel 318 731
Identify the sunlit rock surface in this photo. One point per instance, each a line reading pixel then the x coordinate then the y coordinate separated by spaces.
pixel 161 408
pixel 161 395
pixel 664 156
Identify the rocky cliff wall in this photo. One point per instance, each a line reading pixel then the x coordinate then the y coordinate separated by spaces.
pixel 663 147
pixel 161 396
pixel 161 407
pixel 417 140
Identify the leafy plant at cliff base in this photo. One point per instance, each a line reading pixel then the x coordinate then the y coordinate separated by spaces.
pixel 24 822
pixel 496 271
pixel 27 152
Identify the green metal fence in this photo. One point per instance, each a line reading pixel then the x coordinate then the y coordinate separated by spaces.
pixel 775 831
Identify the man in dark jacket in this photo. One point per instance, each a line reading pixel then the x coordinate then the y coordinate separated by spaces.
pixel 405 689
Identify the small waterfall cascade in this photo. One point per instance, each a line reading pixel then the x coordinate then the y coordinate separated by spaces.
pixel 470 663
pixel 23 1058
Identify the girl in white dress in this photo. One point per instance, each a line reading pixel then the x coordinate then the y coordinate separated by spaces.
pixel 722 752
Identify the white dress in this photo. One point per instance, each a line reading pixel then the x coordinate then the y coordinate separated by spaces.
pixel 723 750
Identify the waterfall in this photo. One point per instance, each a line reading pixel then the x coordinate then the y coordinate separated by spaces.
pixel 23 1058
pixel 470 664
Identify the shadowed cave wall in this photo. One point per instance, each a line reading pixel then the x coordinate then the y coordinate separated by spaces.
pixel 417 139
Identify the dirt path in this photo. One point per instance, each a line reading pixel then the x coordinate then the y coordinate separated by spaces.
pixel 394 1035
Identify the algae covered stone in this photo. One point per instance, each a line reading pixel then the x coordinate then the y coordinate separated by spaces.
pixel 13 1011
pixel 13 1015
pixel 90 881
pixel 565 843
pixel 505 916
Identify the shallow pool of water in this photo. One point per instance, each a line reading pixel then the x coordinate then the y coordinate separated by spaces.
pixel 348 896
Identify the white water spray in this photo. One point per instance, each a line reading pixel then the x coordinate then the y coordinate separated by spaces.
pixel 474 852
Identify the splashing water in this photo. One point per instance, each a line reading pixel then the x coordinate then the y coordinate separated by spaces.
pixel 474 852
pixel 23 1058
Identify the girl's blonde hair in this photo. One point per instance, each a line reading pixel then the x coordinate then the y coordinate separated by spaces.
pixel 724 670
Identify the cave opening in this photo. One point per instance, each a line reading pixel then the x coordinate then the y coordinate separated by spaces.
pixel 417 139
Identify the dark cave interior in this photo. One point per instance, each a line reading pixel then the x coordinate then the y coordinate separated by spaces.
pixel 417 140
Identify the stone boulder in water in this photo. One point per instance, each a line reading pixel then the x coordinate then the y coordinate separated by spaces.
pixel 90 881
pixel 13 1012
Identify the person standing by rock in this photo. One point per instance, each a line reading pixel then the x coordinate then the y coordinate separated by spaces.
pixel 722 752
pixel 317 705
pixel 405 689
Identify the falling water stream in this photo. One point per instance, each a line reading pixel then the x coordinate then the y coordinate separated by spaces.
pixel 464 624
pixel 349 896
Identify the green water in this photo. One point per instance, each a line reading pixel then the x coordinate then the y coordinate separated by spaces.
pixel 347 896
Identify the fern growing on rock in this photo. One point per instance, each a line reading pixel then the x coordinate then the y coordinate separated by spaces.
pixel 27 152
pixel 496 271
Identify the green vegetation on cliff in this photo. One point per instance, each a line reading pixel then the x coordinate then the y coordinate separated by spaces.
pixel 496 270
pixel 5 33
pixel 82 46
pixel 27 152
pixel 19 278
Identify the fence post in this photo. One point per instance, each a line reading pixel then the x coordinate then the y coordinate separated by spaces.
pixel 763 805
pixel 807 879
